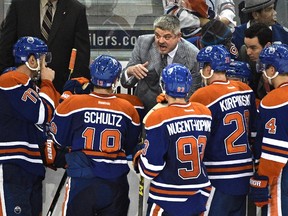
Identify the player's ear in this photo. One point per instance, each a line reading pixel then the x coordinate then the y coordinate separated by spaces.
pixel 32 61
pixel 255 15
pixel 179 36
pixel 268 44
pixel 273 69
pixel 208 69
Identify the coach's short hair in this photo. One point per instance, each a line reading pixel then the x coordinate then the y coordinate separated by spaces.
pixel 167 22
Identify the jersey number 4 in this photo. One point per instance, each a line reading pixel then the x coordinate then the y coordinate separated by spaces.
pixel 271 126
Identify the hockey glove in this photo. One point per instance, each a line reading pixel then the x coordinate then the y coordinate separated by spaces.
pixel 53 155
pixel 161 98
pixel 136 155
pixel 259 190
pixel 79 85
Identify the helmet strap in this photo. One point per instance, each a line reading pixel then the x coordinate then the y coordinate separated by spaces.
pixel 270 78
pixel 206 77
pixel 115 86
pixel 34 69
pixel 37 69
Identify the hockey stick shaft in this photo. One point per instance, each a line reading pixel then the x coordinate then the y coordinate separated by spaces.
pixel 72 62
pixel 64 177
pixel 141 196
pixel 143 135
pixel 141 181
pixel 57 194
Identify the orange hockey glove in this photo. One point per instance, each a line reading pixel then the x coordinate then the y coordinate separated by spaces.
pixel 53 155
pixel 161 98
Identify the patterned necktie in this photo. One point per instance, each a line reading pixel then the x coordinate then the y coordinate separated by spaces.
pixel 47 21
pixel 164 60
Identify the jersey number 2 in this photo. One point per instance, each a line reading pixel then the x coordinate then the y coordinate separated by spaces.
pixel 239 121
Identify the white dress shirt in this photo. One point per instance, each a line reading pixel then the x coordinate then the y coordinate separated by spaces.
pixel 43 8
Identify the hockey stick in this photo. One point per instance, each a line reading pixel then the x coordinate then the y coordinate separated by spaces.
pixel 72 62
pixel 57 194
pixel 141 181
pixel 141 196
pixel 64 177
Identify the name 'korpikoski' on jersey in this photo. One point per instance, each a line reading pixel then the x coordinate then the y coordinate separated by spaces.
pixel 235 101
pixel 189 125
pixel 102 118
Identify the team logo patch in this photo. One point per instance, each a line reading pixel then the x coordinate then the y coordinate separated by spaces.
pixel 17 210
pixel 30 40
pixel 53 128
pixel 234 50
pixel 271 50
pixel 208 49
pixel 169 71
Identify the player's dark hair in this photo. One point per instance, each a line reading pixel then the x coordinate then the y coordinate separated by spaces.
pixel 261 31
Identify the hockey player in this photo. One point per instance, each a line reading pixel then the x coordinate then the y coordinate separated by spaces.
pixel 82 85
pixel 228 157
pixel 269 184
pixel 174 146
pixel 101 131
pixel 239 71
pixel 24 109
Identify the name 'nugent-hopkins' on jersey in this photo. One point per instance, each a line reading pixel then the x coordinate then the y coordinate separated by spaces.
pixel 174 146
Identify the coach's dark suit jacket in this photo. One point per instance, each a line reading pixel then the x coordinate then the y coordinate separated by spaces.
pixel 145 49
pixel 69 30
